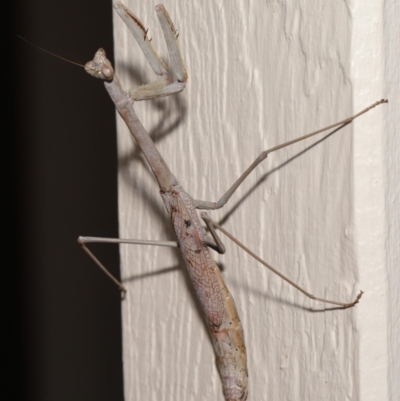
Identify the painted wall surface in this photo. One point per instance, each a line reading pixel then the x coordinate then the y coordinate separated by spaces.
pixel 262 73
pixel 392 161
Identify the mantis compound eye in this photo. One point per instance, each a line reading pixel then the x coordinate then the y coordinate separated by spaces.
pixel 108 73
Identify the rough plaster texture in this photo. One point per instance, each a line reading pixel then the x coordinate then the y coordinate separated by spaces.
pixel 261 73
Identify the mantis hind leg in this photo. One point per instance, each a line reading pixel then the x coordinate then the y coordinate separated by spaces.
pixel 211 223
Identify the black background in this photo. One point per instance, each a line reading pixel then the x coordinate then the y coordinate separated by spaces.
pixel 63 314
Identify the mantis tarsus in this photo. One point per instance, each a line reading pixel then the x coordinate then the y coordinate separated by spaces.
pixel 216 302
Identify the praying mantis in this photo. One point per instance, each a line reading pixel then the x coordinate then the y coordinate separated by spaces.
pixel 232 360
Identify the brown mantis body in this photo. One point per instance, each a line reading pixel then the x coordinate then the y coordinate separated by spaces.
pixel 217 304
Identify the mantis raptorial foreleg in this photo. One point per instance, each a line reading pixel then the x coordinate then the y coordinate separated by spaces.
pixel 165 86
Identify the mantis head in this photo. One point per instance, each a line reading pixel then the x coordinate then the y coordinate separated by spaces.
pixel 100 67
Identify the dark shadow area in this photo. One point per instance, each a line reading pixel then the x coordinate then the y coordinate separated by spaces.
pixel 158 272
pixel 65 314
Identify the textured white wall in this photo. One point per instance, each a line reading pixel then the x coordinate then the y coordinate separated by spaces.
pixel 261 73
pixel 392 165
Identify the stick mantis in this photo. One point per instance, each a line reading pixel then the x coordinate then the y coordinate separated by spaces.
pixel 217 304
